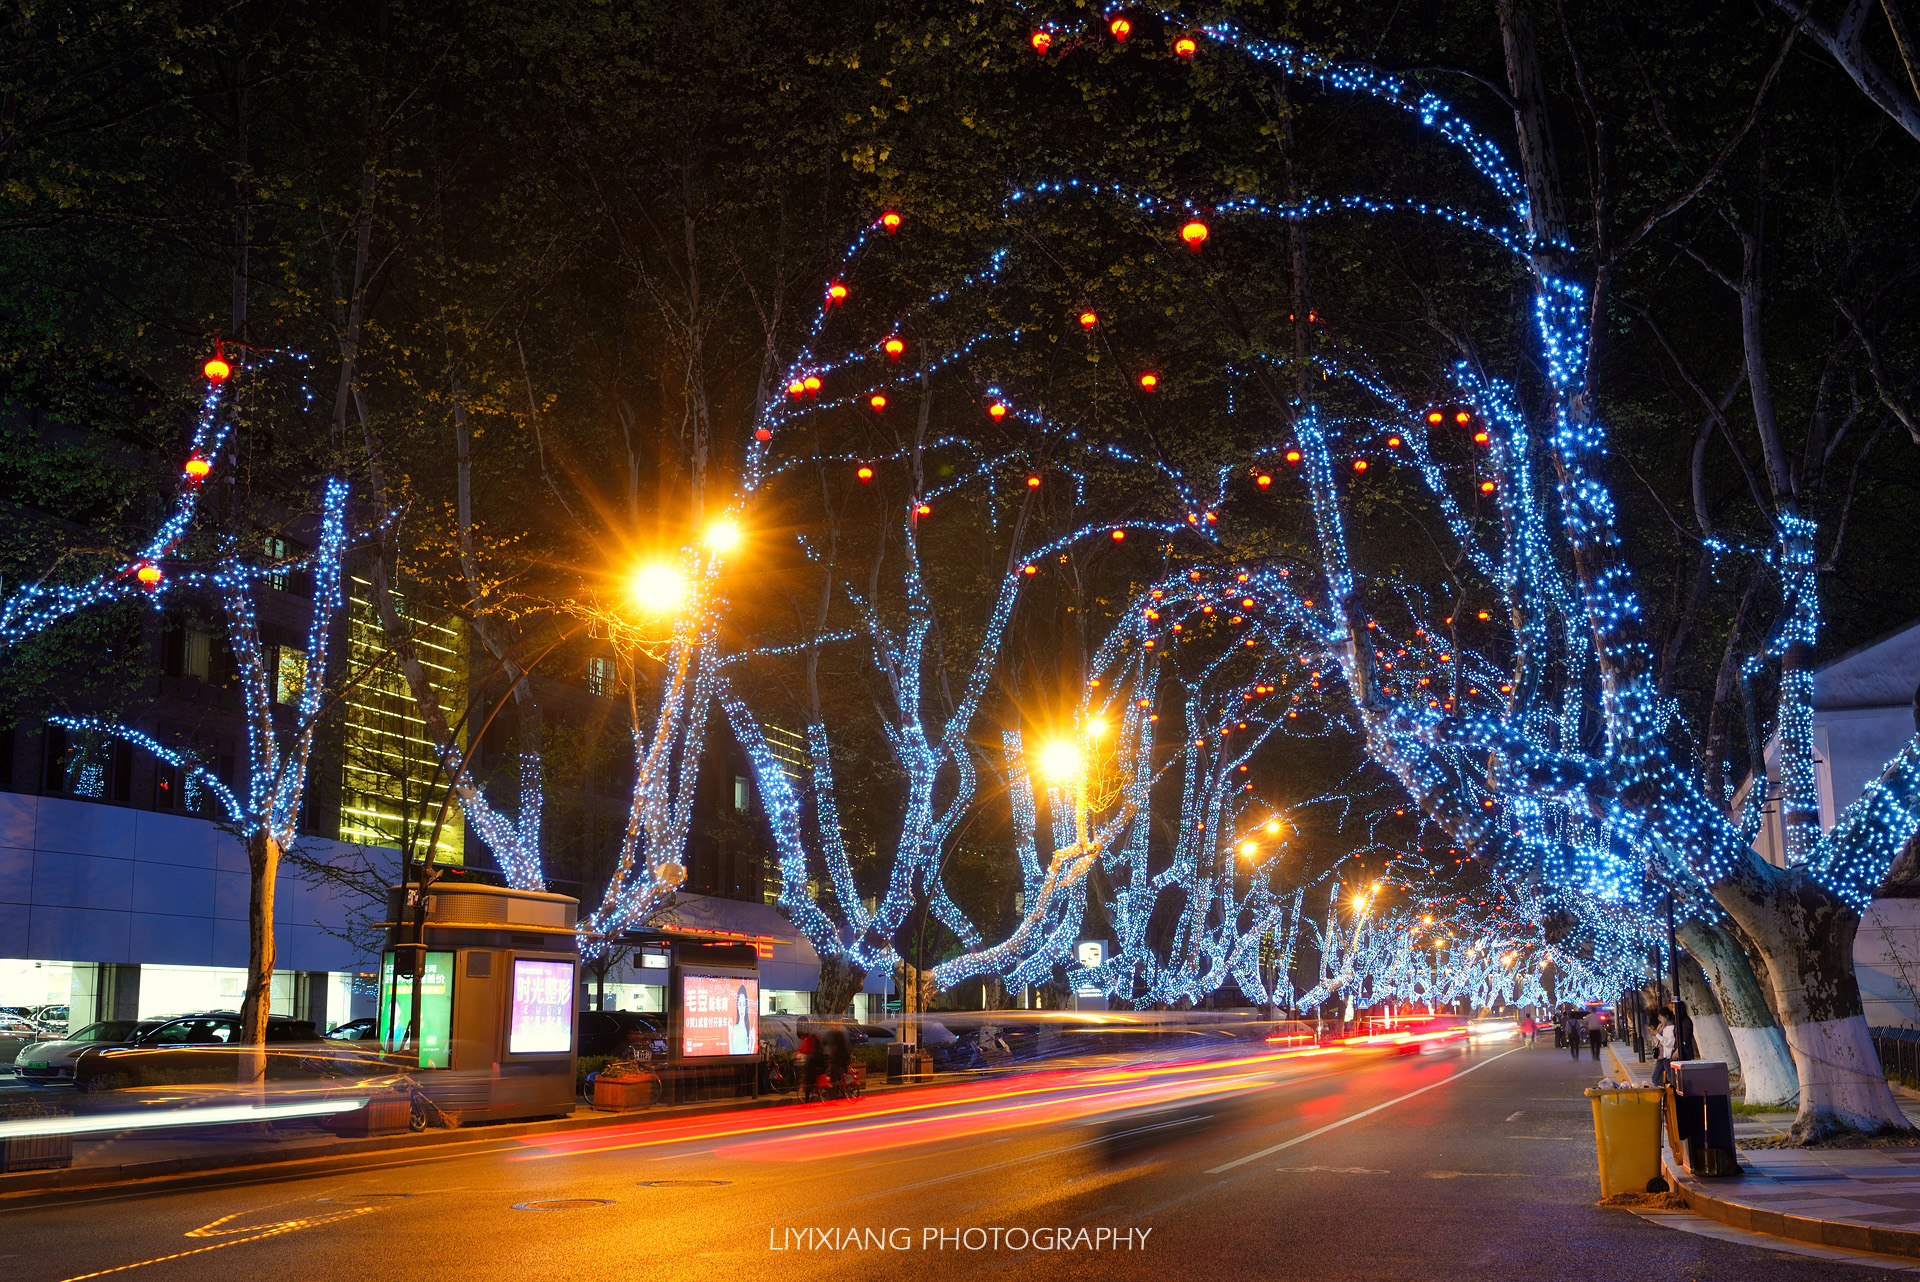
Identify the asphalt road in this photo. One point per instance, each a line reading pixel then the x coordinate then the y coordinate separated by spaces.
pixel 1467 1162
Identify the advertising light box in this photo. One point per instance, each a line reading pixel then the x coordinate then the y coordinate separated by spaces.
pixel 542 1015
pixel 436 1008
pixel 720 1015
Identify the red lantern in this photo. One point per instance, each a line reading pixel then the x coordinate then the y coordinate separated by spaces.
pixel 1436 417
pixel 1263 480
pixel 1480 437
pixel 836 293
pixel 1484 616
pixel 998 409
pixel 1030 569
pixel 923 509
pixel 1184 47
pixel 197 468
pixel 865 474
pixel 1486 487
pixel 1088 320
pixel 796 388
pixel 1119 535
pixel 216 370
pixel 890 221
pixel 1463 418
pixel 1393 442
pixel 812 383
pixel 1195 234
pixel 1040 41
pixel 878 402
pixel 1293 457
pixel 1359 465
pixel 1121 29
pixel 149 573
pixel 763 434
pixel 1149 381
pixel 893 348
pixel 1033 482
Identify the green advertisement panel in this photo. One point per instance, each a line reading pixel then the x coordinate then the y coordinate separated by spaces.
pixel 436 1008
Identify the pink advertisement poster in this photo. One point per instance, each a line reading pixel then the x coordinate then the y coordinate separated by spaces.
pixel 721 1015
pixel 542 1007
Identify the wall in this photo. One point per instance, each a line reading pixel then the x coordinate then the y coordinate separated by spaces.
pixel 95 883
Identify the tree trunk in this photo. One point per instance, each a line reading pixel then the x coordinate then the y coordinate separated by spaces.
pixel 839 981
pixel 1805 937
pixel 1709 1026
pixel 1767 1070
pixel 263 864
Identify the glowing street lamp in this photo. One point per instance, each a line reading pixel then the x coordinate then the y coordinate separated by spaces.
pixel 1060 760
pixel 659 588
pixel 723 535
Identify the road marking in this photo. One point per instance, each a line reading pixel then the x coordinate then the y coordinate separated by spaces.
pixel 1517 1116
pixel 1368 1112
pixel 218 1228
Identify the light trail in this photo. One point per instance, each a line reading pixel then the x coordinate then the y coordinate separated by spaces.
pixel 222 1115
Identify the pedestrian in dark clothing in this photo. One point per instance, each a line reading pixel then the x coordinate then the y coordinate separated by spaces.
pixel 839 1054
pixel 1596 1034
pixel 812 1064
pixel 1575 1033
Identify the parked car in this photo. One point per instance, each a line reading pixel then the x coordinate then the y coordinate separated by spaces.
pixel 604 1032
pixel 355 1030
pixel 197 1047
pixel 51 1018
pixel 50 1063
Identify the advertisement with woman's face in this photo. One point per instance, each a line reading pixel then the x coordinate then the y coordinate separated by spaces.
pixel 720 1015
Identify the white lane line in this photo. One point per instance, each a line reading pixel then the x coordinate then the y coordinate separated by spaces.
pixel 1369 1112
pixel 1517 1116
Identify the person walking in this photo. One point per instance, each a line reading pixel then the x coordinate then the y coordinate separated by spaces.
pixel 1528 1028
pixel 812 1062
pixel 1666 1039
pixel 1576 1032
pixel 1596 1033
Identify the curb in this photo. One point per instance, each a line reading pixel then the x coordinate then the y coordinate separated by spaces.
pixel 1855 1237
pixel 1756 1219
pixel 36 1188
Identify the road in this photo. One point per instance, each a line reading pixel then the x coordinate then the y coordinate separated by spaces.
pixel 1469 1162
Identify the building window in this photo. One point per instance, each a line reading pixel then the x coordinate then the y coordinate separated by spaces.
pixel 289 674
pixel 742 794
pixel 391 784
pixel 87 766
pixel 274 552
pixel 600 678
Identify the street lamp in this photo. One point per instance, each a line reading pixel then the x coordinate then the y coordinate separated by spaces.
pixel 659 588
pixel 724 535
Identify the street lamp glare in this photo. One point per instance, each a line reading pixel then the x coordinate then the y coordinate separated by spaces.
pixel 1273 828
pixel 724 535
pixel 1096 727
pixel 1060 759
pixel 659 588
pixel 1248 849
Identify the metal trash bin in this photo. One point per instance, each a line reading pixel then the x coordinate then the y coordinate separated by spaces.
pixel 1700 1117
pixel 897 1062
pixel 1626 1134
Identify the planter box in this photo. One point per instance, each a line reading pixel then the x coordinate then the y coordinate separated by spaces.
pixel 36 1153
pixel 622 1094
pixel 383 1115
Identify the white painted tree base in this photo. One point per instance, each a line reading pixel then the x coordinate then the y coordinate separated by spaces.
pixel 1766 1069
pixel 1840 1078
pixel 1710 1031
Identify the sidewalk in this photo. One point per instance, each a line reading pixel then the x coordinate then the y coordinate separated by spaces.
pixel 1865 1199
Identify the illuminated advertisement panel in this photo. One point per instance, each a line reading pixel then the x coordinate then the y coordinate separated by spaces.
pixel 720 1015
pixel 542 1015
pixel 436 1008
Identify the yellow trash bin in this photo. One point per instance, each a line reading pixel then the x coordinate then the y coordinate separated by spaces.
pixel 1626 1131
